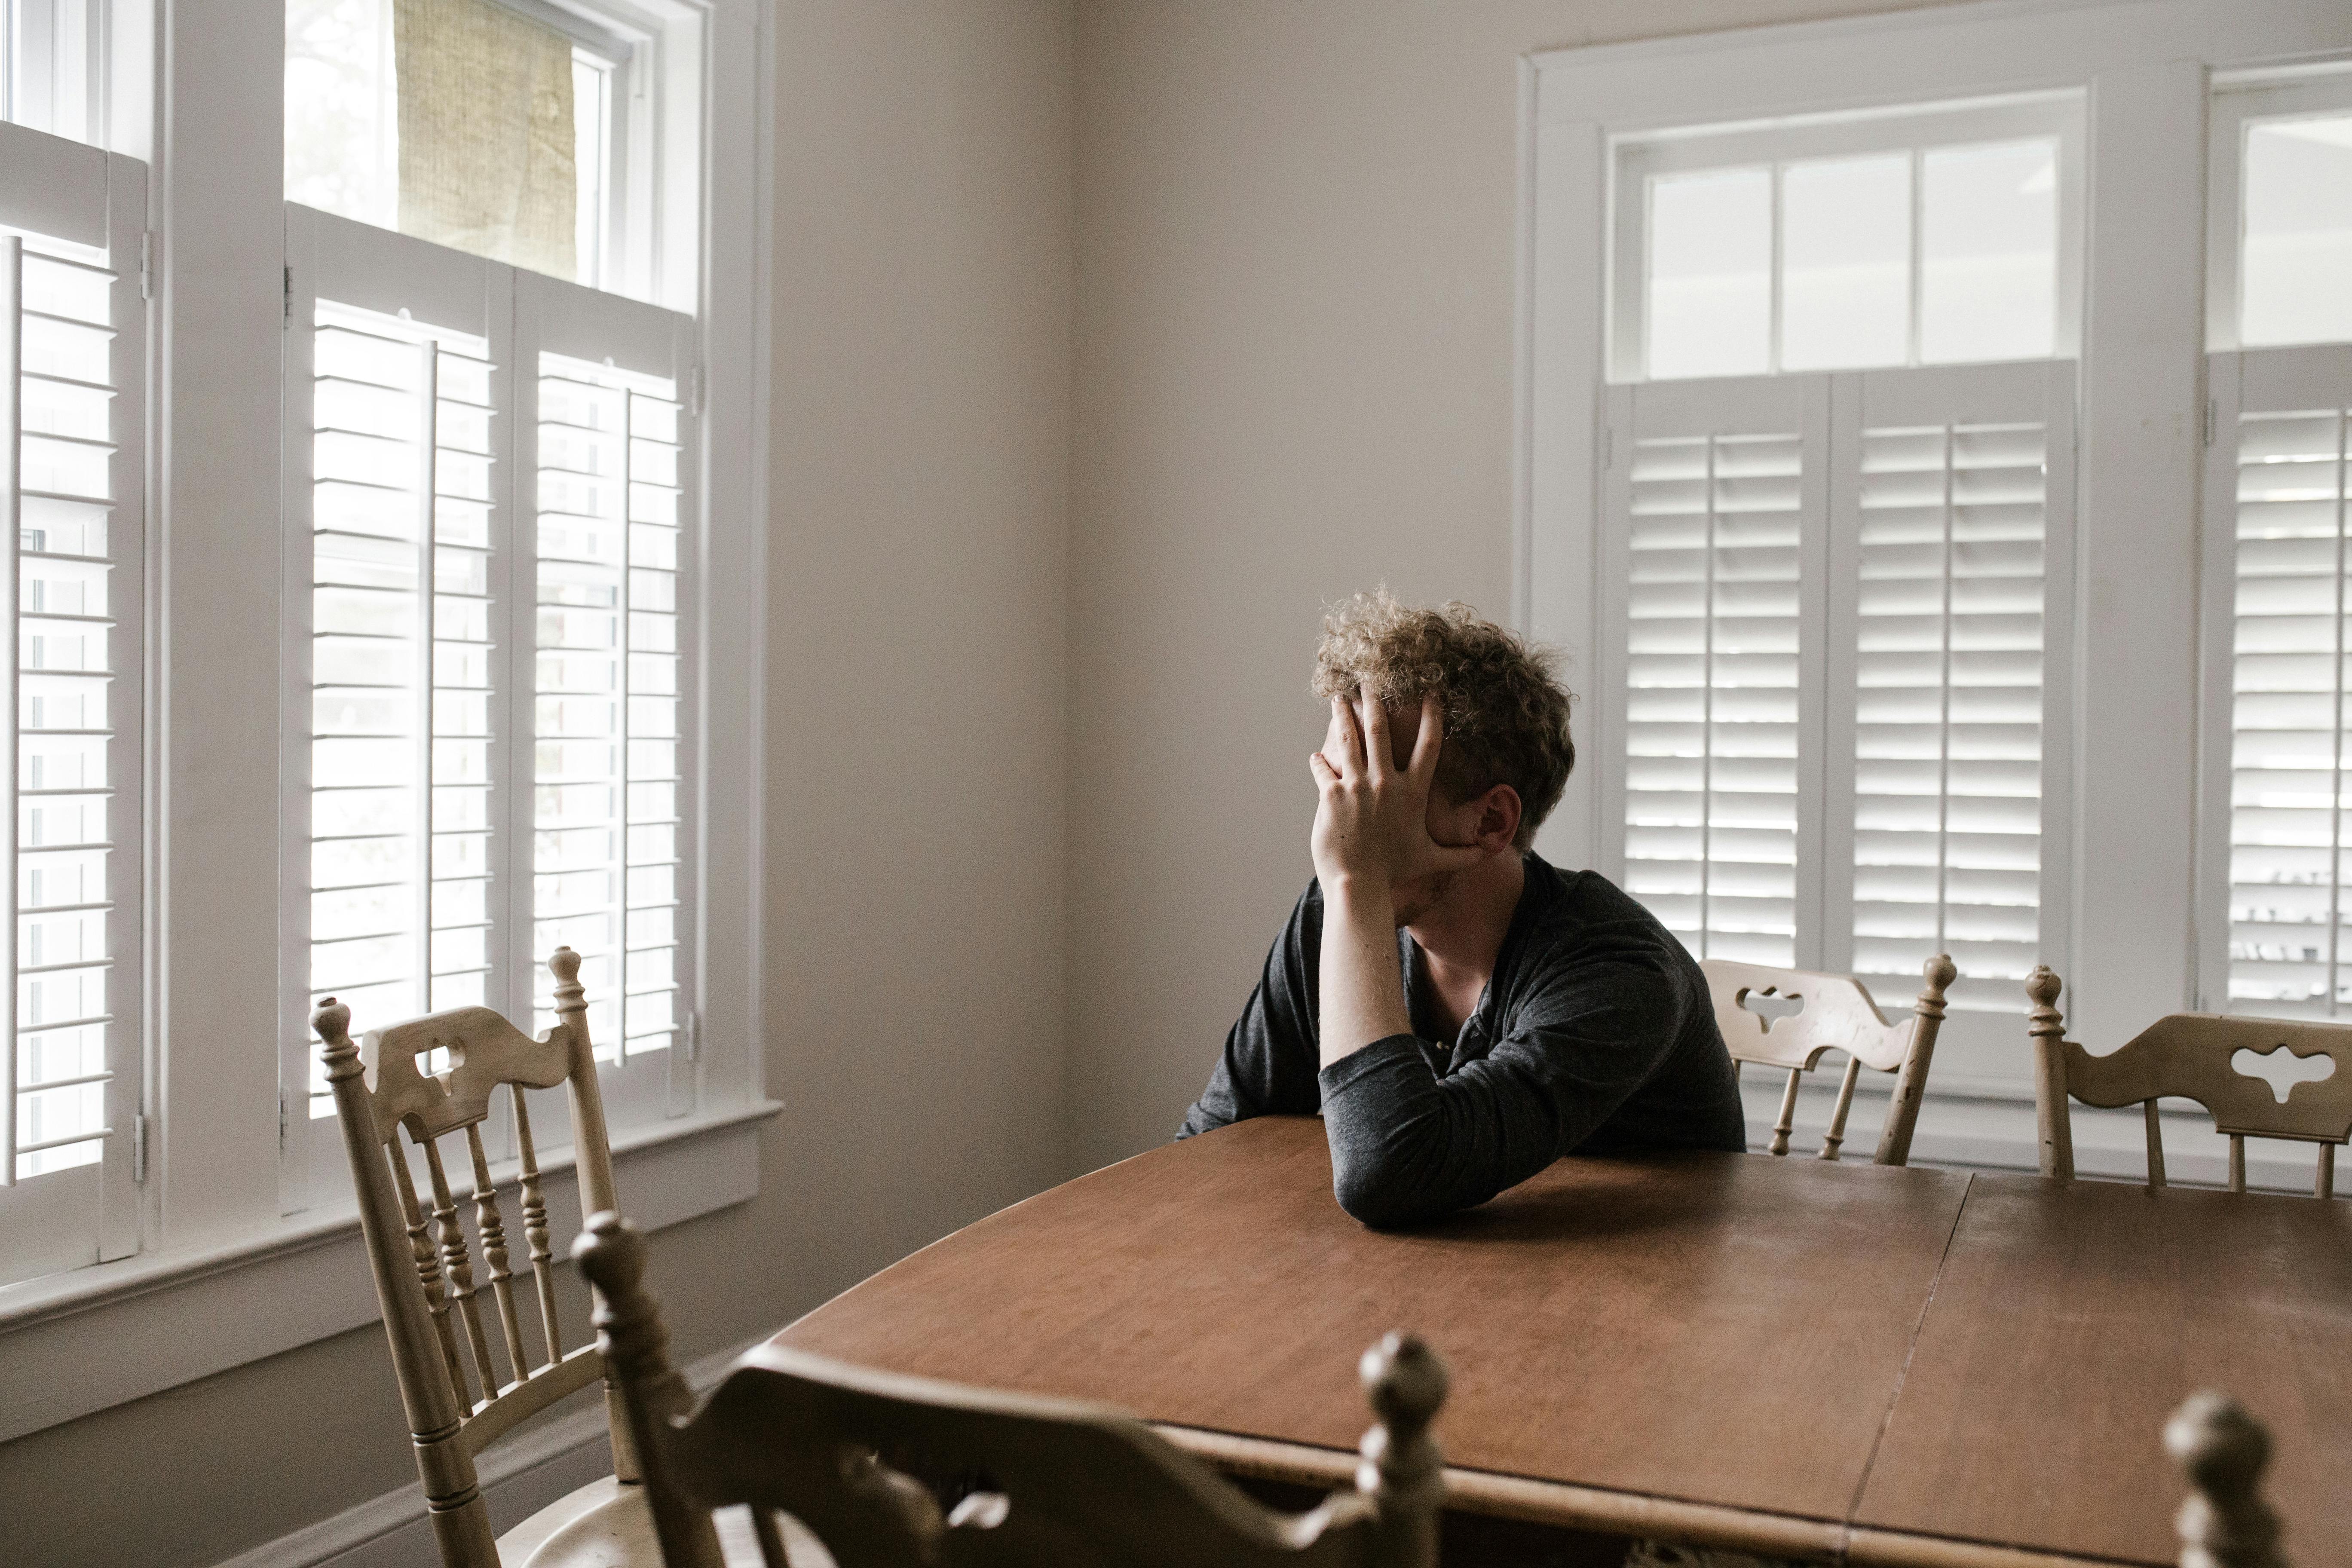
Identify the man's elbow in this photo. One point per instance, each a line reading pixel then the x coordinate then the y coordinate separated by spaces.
pixel 1375 1194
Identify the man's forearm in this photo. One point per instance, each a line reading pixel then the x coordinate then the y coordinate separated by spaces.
pixel 1362 991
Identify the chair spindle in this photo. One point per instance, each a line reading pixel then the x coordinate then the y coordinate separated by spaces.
pixel 2225 1523
pixel 534 1229
pixel 459 1266
pixel 1836 1134
pixel 1788 1117
pixel 2047 1027
pixel 2323 1184
pixel 2237 1162
pixel 770 1539
pixel 428 1269
pixel 493 1231
pixel 2155 1144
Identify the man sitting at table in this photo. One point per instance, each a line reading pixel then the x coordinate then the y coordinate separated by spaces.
pixel 1477 1012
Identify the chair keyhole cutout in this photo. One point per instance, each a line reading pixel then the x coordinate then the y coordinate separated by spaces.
pixel 1769 1004
pixel 2282 1068
pixel 981 1511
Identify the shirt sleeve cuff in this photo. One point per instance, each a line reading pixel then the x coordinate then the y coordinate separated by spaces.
pixel 1390 1058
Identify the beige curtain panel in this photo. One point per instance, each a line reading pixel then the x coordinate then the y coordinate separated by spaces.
pixel 486 132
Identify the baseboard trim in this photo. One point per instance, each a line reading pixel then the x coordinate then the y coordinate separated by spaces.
pixel 518 1478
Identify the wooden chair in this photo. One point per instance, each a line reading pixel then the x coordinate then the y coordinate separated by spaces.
pixel 460 1397
pixel 2225 1523
pixel 1026 1480
pixel 2189 1054
pixel 1788 1017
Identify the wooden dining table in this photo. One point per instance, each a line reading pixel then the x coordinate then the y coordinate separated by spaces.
pixel 1881 1366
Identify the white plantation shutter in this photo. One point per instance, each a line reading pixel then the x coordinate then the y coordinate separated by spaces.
pixel 611 800
pixel 396 614
pixel 1953 540
pixel 1834 597
pixel 1721 489
pixel 2277 488
pixel 72 359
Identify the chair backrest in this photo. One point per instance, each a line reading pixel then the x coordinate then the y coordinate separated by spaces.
pixel 1004 1477
pixel 2190 1056
pixel 459 1397
pixel 2225 1523
pixel 1788 1017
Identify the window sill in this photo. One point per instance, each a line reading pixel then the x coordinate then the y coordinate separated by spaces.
pixel 96 1337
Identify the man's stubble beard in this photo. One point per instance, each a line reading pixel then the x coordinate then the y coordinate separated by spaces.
pixel 1416 904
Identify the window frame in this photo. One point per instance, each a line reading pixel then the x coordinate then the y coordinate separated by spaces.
pixel 2143 69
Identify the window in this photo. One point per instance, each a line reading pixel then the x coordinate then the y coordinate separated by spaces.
pixel 53 65
pixel 2279 853
pixel 340 501
pixel 540 136
pixel 72 359
pixel 1840 533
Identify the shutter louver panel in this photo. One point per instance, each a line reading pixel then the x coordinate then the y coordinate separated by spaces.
pixel 75 811
pixel 1948 706
pixel 607 849
pixel 2288 680
pixel 1711 690
pixel 402 651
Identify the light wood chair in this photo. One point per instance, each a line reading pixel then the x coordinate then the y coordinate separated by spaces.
pixel 1788 1017
pixel 2225 1522
pixel 2189 1056
pixel 459 1396
pixel 1034 1481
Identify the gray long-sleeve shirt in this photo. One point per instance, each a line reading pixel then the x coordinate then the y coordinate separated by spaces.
pixel 1595 1034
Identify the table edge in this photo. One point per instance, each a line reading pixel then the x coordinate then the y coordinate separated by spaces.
pixel 1574 1506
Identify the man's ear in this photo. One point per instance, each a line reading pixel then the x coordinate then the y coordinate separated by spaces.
pixel 1499 810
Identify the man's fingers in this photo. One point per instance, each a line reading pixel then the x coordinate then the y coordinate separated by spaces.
pixel 1325 773
pixel 1378 756
pixel 1347 758
pixel 1430 737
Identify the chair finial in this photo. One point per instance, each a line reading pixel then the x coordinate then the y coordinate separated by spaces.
pixel 2225 1523
pixel 333 1023
pixel 565 964
pixel 1940 972
pixel 1404 1381
pixel 2042 987
pixel 612 1255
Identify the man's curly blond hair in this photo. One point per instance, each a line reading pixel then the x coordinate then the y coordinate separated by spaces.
pixel 1505 712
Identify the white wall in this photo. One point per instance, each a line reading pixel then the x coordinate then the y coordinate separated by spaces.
pixel 915 759
pixel 1296 241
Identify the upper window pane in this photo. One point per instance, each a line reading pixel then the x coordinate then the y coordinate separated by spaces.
pixel 1845 262
pixel 1710 294
pixel 2295 276
pixel 52 70
pixel 1988 268
pixel 460 121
